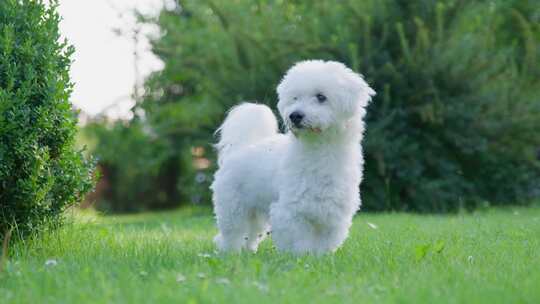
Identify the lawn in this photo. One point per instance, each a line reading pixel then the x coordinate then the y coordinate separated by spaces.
pixel 490 256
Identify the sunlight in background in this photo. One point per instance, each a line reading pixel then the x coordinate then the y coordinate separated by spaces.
pixel 104 67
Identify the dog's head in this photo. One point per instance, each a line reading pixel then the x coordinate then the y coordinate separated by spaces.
pixel 316 95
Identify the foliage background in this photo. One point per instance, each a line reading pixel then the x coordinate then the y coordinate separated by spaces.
pixel 41 173
pixel 454 124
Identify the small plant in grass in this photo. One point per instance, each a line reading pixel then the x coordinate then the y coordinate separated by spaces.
pixel 41 173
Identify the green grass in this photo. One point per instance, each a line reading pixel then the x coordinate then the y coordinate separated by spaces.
pixel 492 256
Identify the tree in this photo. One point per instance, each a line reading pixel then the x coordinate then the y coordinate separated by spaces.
pixel 454 124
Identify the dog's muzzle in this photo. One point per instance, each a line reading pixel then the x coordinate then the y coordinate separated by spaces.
pixel 296 118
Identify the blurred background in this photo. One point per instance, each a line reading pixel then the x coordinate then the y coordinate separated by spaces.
pixel 455 124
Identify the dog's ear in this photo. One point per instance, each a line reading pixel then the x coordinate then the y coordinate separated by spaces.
pixel 356 92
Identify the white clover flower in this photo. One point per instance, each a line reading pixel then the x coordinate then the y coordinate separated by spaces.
pixel 51 262
pixel 180 278
pixel 372 226
pixel 223 281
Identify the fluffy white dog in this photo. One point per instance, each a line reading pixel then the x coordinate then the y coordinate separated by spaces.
pixel 305 183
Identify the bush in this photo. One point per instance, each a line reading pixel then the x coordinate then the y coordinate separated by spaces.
pixel 456 119
pixel 137 171
pixel 40 172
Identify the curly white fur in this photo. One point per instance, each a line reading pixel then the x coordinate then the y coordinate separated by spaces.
pixel 305 183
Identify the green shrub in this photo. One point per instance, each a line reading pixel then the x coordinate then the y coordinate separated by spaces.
pixel 137 171
pixel 456 119
pixel 40 171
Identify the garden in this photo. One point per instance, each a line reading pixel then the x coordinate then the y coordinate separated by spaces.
pixel 120 210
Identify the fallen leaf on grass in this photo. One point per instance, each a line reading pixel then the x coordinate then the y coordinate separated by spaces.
pixel 439 246
pixel 421 251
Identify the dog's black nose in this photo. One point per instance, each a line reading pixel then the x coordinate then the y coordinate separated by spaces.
pixel 296 117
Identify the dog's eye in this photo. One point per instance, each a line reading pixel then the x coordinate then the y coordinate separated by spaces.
pixel 321 97
pixel 295 98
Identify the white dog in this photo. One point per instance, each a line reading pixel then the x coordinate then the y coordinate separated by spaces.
pixel 305 183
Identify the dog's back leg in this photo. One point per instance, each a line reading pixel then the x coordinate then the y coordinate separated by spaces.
pixel 233 225
pixel 258 228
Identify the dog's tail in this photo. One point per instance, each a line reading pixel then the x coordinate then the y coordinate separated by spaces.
pixel 244 125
